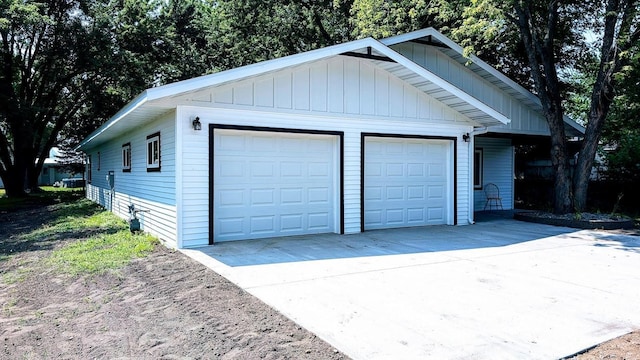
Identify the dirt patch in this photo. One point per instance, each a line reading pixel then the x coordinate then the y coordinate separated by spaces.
pixel 162 306
pixel 626 347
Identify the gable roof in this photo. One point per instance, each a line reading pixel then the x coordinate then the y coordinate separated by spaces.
pixel 480 67
pixel 147 105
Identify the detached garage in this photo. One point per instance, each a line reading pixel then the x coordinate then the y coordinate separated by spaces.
pixel 354 137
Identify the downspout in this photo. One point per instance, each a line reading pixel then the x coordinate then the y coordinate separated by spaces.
pixel 472 146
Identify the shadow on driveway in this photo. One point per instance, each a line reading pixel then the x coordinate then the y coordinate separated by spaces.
pixel 491 230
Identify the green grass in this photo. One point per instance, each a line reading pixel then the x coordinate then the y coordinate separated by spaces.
pixel 47 196
pixel 101 253
pixel 76 217
pixel 97 240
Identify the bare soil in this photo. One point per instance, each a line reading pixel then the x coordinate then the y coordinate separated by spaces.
pixel 163 306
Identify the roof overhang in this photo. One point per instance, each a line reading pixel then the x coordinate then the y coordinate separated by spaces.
pixel 431 36
pixel 146 105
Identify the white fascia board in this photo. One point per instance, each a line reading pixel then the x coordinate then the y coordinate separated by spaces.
pixel 194 84
pixel 397 39
pixel 126 110
pixel 428 75
pixel 200 82
pixel 457 48
pixel 490 69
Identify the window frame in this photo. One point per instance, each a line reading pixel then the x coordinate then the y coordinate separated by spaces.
pixel 89 170
pixel 478 168
pixel 154 157
pixel 126 157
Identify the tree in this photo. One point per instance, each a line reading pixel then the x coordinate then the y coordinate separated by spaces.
pixel 67 66
pixel 48 51
pixel 552 32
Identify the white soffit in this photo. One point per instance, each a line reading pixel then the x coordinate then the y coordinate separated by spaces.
pixel 484 70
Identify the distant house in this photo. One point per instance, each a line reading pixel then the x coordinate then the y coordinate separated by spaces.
pixel 52 171
pixel 362 135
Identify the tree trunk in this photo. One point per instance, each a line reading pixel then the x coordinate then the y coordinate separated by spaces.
pixel 14 180
pixel 563 202
pixel 616 40
pixel 600 104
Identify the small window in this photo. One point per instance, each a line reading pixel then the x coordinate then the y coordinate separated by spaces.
pixel 153 152
pixel 89 169
pixel 477 169
pixel 126 157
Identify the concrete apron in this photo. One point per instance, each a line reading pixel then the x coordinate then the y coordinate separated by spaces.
pixel 495 290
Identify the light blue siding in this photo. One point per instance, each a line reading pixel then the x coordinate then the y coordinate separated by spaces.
pixel 498 168
pixel 154 192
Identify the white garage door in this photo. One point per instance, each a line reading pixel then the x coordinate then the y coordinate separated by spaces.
pixel 269 184
pixel 408 182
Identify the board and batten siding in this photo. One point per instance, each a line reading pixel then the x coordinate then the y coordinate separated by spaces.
pixel 339 85
pixel 524 120
pixel 498 168
pixel 152 192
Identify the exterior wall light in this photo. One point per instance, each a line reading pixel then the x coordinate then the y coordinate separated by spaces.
pixel 196 124
pixel 466 137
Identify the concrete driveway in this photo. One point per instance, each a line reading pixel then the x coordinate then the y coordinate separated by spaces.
pixel 500 289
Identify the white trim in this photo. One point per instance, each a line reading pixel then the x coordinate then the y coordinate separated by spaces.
pixel 152 162
pixel 126 157
pixel 217 79
pixel 129 108
pixel 428 75
pixel 235 74
pixel 179 175
pixel 488 68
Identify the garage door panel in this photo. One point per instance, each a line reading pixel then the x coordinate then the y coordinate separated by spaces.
pixel 394 169
pixel 415 170
pixel 319 221
pixel 436 214
pixel 291 222
pixel 395 216
pixel 267 184
pixel 436 172
pixel 373 217
pixel 415 215
pixel 395 193
pixel 231 226
pixel 291 196
pixel 436 192
pixel 262 197
pixel 318 196
pixel 262 224
pixel 411 189
pixel 319 169
pixel 415 192
pixel 229 142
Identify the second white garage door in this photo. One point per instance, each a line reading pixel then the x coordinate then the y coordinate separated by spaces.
pixel 408 182
pixel 269 184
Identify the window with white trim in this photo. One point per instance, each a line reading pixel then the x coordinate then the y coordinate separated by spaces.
pixel 126 157
pixel 477 169
pixel 153 152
